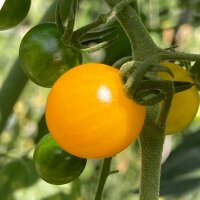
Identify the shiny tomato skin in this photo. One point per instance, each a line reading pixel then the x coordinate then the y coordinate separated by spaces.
pixel 185 104
pixel 89 115
pixel 13 12
pixel 54 165
pixel 43 55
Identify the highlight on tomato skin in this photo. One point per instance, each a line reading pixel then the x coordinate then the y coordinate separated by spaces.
pixel 89 114
pixel 185 104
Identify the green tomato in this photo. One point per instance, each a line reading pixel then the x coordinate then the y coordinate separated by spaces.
pixel 43 55
pixel 13 12
pixel 54 165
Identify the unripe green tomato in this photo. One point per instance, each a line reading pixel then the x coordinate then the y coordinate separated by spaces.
pixel 54 165
pixel 13 12
pixel 43 55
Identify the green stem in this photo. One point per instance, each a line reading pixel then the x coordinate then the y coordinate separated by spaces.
pixel 172 56
pixel 142 44
pixel 181 56
pixel 105 172
pixel 151 145
pixel 58 19
pixel 70 25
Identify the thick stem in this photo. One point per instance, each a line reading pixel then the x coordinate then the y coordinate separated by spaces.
pixel 151 145
pixel 105 172
pixel 142 44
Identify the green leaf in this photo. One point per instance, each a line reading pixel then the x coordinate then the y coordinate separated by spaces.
pixel 13 12
pixel 181 170
pixel 182 85
pixel 19 173
pixel 179 187
pixel 119 49
pixel 97 35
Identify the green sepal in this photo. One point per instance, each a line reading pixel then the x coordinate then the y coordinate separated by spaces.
pixel 149 91
pixel 161 68
pixel 195 73
pixel 181 86
pixel 172 48
pixel 152 91
pixel 100 34
pixel 84 33
pixel 89 49
pixel 119 63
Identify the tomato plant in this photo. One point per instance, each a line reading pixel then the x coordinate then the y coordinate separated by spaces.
pixel 13 12
pixel 54 165
pixel 88 113
pixel 184 104
pixel 43 55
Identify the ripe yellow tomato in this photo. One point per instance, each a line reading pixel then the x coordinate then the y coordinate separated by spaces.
pixel 88 113
pixel 184 104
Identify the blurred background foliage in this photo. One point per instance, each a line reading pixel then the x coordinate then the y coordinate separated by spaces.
pixel 22 105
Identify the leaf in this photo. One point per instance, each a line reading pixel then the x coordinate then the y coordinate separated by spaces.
pixel 96 35
pixel 184 163
pixel 118 50
pixel 182 86
pixel 179 187
pixel 19 173
pixel 180 172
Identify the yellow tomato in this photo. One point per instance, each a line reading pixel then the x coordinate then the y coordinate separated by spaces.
pixel 88 113
pixel 184 104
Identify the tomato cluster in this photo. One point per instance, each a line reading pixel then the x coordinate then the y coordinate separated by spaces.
pixel 88 113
